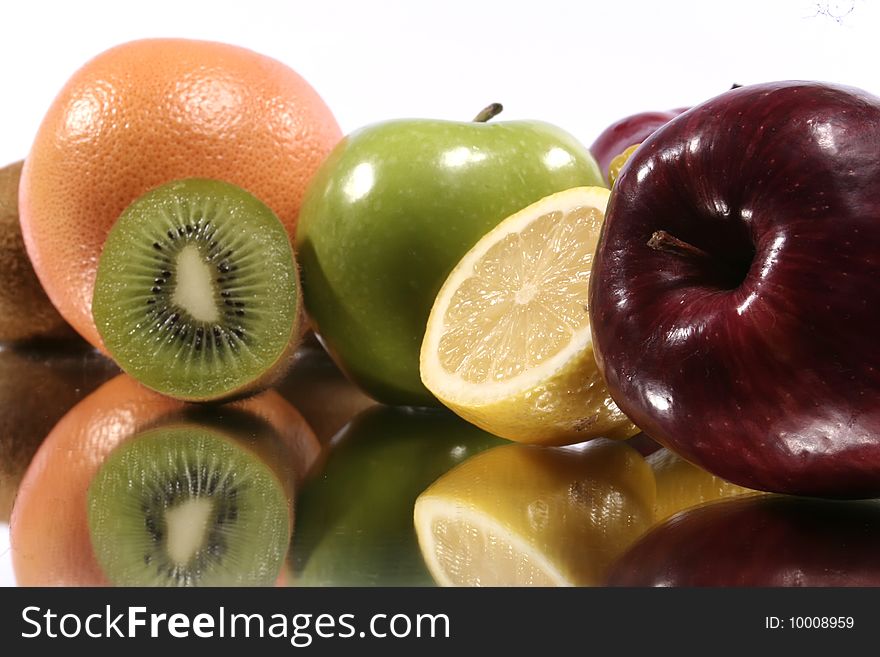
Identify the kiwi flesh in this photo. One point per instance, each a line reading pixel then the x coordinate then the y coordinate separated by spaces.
pixel 26 314
pixel 190 503
pixel 197 292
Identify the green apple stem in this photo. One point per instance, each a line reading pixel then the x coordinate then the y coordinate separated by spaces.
pixel 488 112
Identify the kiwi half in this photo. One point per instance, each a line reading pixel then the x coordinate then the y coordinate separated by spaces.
pixel 26 314
pixel 189 505
pixel 197 292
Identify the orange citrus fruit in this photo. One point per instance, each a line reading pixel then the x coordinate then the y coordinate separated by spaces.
pixel 148 112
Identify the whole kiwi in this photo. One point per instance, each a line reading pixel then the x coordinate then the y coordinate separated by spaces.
pixel 25 311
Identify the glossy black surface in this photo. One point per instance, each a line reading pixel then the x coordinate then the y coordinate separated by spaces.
pixel 529 514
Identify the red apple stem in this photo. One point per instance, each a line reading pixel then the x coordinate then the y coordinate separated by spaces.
pixel 488 112
pixel 663 241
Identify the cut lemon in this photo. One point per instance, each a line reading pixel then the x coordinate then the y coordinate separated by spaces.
pixel 507 344
pixel 616 165
pixel 522 515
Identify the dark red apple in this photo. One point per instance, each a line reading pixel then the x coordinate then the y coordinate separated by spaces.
pixel 759 541
pixel 626 132
pixel 735 291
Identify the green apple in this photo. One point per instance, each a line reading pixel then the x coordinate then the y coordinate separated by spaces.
pixel 354 519
pixel 393 209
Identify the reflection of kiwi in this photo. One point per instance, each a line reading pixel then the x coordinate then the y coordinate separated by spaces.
pixel 187 504
pixel 37 386
pixel 25 311
pixel 197 291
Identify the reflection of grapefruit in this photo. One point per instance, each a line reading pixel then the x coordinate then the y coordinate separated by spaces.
pixel 148 112
pixel 49 529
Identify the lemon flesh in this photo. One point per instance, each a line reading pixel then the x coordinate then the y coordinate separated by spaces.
pixel 523 515
pixel 508 344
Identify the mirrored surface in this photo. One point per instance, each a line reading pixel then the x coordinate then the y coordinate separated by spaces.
pixel 313 484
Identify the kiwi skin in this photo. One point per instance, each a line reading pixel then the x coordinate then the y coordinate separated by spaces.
pixel 26 314
pixel 37 387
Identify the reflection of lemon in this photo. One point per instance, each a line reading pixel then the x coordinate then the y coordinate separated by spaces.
pixel 520 515
pixel 682 485
pixel 508 343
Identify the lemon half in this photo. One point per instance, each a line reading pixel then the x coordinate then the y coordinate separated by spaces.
pixel 507 344
pixel 523 515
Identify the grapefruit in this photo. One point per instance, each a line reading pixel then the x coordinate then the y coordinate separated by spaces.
pixel 148 112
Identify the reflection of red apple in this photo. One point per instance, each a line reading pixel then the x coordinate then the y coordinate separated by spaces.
pixel 627 132
pixel 759 541
pixel 735 287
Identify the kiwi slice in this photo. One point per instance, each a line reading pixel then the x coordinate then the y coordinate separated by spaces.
pixel 188 505
pixel 197 292
pixel 26 314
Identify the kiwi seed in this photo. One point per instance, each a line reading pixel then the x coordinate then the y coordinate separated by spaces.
pixel 197 292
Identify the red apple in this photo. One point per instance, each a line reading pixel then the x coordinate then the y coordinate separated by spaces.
pixel 627 132
pixel 736 288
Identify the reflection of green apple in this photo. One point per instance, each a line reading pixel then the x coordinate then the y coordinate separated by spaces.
pixel 354 520
pixel 390 213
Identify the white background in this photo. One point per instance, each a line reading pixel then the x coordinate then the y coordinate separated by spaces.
pixel 581 65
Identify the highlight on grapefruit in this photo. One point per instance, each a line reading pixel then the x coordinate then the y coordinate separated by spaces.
pixel 147 112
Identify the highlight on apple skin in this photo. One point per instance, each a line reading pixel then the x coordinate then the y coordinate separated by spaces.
pixel 736 284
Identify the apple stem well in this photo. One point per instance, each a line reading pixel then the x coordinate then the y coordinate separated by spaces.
pixel 668 243
pixel 488 112
pixel 663 241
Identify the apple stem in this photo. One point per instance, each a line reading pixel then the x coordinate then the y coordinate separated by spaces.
pixel 663 241
pixel 488 112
